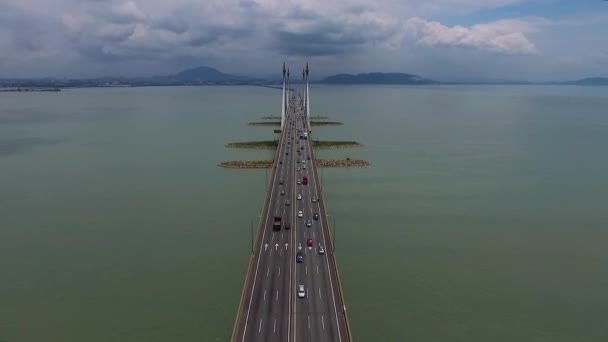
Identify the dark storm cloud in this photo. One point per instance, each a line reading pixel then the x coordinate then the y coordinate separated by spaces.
pixel 332 36
pixel 175 25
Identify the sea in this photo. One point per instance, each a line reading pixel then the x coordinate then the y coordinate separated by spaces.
pixel 482 217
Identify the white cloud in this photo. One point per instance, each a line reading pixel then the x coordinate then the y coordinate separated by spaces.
pixel 504 36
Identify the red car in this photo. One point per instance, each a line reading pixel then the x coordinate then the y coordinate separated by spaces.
pixel 309 242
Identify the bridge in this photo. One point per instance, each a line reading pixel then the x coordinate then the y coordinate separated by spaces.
pixel 285 299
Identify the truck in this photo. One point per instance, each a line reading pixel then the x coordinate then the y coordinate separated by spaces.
pixel 277 223
pixel 305 180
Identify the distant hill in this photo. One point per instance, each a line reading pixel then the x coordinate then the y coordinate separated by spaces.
pixel 205 74
pixel 593 81
pixel 377 78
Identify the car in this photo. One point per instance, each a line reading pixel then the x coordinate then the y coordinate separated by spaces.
pixel 299 182
pixel 299 257
pixel 281 182
pixel 299 197
pixel 321 249
pixel 287 203
pixel 286 153
pixel 298 168
pixel 314 200
pixel 282 192
pixel 281 162
pixel 300 214
pixel 309 242
pixel 301 291
pixel 303 167
pixel 298 161
pixel 302 147
pixel 287 225
pixel 315 216
pixel 308 223
pixel 308 157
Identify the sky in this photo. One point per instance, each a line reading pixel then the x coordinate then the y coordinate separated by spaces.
pixel 447 40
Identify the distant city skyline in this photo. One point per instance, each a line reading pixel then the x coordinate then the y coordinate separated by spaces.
pixel 459 40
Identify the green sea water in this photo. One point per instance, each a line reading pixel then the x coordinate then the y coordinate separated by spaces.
pixel 483 217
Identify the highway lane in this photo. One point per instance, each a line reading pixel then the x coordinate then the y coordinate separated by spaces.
pixel 270 309
pixel 315 316
pixel 266 315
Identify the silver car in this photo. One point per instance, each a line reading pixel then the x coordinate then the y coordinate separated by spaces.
pixel 301 291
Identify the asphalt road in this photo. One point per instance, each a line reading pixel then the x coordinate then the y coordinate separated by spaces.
pixel 271 309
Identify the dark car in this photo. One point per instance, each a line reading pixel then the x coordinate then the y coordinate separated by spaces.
pixel 281 182
pixel 308 157
pixel 315 216
pixel 287 225
pixel 299 257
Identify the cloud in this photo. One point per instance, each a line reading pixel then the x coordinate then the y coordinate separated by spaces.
pixel 143 36
pixel 504 36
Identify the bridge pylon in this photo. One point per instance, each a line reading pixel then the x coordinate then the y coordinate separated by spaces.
pixel 283 100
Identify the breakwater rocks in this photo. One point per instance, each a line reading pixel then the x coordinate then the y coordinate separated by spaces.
pixel 263 145
pixel 341 162
pixel 246 164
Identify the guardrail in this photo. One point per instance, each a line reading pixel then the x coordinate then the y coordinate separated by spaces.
pixel 333 258
pixel 257 238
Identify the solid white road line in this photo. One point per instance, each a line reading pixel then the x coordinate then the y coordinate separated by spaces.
pixel 260 253
pixel 326 258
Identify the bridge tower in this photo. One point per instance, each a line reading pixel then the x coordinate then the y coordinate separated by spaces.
pixel 283 99
pixel 307 99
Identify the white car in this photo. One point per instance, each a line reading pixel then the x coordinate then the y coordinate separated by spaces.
pixel 299 182
pixel 298 168
pixel 321 249
pixel 301 291
pixel 299 197
pixel 300 214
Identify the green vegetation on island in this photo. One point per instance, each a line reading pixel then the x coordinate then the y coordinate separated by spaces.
pixel 262 144
pixel 246 164
pixel 265 123
pixel 334 144
pixel 272 144
pixel 325 123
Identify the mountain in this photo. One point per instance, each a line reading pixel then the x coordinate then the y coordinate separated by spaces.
pixel 205 74
pixel 592 81
pixel 377 78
